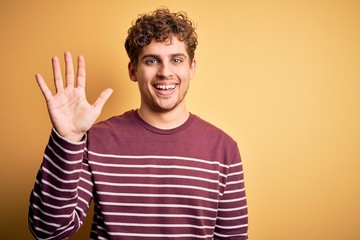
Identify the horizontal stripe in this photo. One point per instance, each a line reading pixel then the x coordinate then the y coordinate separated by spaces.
pixel 51 215
pixel 54 235
pixel 44 231
pixel 156 176
pixel 235 173
pixel 47 223
pixel 234 182
pixel 168 186
pixel 85 190
pixel 232 209
pixel 158 235
pixel 158 157
pixel 43 193
pixel 72 162
pixel 158 196
pixel 233 200
pixel 157 205
pixel 54 206
pixel 84 201
pixel 70 190
pixel 159 225
pixel 86 181
pixel 59 168
pixel 235 164
pixel 234 191
pixel 58 178
pixel 154 166
pixel 230 235
pixel 232 218
pixel 148 215
pixel 232 227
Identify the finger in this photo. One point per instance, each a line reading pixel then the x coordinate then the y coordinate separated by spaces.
pixel 104 96
pixel 81 73
pixel 69 69
pixel 43 87
pixel 57 74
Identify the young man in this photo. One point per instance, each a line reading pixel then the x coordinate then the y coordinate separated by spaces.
pixel 157 172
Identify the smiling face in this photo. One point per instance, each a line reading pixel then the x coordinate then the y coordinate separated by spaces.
pixel 163 73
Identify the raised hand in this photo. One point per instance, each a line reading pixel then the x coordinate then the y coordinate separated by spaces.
pixel 70 112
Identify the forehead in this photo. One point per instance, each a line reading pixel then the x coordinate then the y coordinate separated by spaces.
pixel 163 49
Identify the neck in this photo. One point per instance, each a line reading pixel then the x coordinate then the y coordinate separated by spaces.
pixel 164 120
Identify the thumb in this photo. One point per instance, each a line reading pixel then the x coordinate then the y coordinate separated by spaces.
pixel 101 100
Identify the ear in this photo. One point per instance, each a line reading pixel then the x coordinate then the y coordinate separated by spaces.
pixel 132 72
pixel 192 68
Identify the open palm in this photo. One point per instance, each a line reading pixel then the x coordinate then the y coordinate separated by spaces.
pixel 70 112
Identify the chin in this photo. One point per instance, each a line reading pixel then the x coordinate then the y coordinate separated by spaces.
pixel 164 108
pixel 160 109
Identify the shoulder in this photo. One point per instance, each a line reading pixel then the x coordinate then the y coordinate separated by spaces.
pixel 214 141
pixel 109 134
pixel 212 132
pixel 209 128
pixel 115 123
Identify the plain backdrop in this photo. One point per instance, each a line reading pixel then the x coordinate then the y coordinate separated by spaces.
pixel 281 77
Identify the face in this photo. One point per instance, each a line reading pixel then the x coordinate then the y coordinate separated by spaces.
pixel 163 74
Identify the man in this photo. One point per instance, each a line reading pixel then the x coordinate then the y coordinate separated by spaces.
pixel 157 172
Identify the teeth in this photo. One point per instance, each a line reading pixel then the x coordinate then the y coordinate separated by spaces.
pixel 165 87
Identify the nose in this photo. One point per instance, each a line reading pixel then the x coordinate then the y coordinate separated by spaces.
pixel 164 71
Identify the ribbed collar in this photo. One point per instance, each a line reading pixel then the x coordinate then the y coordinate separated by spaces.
pixel 185 125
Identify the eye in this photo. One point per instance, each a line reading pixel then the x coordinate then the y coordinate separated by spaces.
pixel 151 61
pixel 177 60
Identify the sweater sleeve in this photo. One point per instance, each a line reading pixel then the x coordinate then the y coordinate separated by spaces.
pixel 232 220
pixel 62 192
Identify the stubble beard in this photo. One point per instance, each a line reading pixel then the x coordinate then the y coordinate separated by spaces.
pixel 165 105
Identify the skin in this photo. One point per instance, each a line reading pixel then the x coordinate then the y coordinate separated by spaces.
pixel 161 65
pixel 70 112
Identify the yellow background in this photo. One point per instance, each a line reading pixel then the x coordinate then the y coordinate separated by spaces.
pixel 281 77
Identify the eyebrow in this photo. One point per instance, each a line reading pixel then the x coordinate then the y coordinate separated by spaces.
pixel 158 56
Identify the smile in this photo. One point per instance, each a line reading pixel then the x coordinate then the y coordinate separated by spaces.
pixel 164 87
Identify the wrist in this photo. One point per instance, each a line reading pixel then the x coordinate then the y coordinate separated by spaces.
pixel 75 138
pixel 71 137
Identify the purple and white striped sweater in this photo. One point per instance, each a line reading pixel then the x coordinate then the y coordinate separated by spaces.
pixel 146 183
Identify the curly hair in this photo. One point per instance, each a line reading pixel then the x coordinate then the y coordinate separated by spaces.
pixel 160 25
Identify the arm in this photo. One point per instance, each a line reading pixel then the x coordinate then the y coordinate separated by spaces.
pixel 62 192
pixel 232 220
pixel 63 187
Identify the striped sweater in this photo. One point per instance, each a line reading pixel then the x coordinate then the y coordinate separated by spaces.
pixel 146 183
